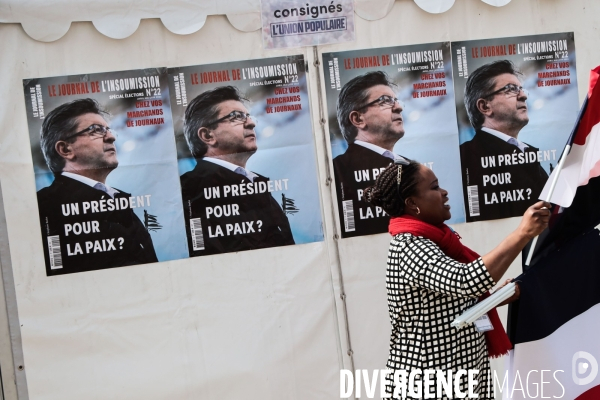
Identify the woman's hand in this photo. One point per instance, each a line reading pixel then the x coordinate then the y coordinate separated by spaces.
pixel 512 298
pixel 535 220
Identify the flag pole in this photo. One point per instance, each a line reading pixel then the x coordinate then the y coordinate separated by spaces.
pixel 558 169
pixel 549 197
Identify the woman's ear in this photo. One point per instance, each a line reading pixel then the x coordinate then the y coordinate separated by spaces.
pixel 411 206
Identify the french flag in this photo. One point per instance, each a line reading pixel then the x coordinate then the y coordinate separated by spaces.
pixel 557 334
pixel 555 325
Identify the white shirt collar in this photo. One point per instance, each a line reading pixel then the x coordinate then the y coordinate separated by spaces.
pixel 232 167
pixel 90 182
pixel 504 137
pixel 379 150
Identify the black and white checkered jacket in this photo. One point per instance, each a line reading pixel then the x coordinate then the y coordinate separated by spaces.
pixel 427 290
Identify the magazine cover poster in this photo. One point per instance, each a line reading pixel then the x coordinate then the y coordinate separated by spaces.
pixel 516 103
pixel 105 170
pixel 246 155
pixel 368 131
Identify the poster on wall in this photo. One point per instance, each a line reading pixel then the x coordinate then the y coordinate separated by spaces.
pixel 516 102
pixel 288 23
pixel 105 169
pixel 384 104
pixel 246 155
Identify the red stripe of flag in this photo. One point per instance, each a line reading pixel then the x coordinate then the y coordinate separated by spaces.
pixel 592 394
pixel 592 116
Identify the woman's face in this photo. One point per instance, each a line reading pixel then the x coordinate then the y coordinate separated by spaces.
pixel 431 198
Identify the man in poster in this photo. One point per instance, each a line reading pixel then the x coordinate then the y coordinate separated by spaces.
pixel 502 176
pixel 370 118
pixel 227 207
pixel 86 224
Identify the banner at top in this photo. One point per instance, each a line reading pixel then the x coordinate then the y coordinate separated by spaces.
pixel 406 95
pixel 297 24
pixel 516 103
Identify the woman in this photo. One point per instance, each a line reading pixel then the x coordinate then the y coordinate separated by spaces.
pixel 432 278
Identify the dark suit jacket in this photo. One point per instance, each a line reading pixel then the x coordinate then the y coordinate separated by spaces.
pixel 479 159
pixel 55 200
pixel 250 221
pixel 354 171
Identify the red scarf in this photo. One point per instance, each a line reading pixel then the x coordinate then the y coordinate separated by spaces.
pixel 497 340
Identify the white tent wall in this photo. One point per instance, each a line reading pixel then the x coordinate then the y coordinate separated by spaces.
pixel 261 324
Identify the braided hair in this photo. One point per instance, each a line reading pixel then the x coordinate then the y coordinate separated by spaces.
pixel 387 194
